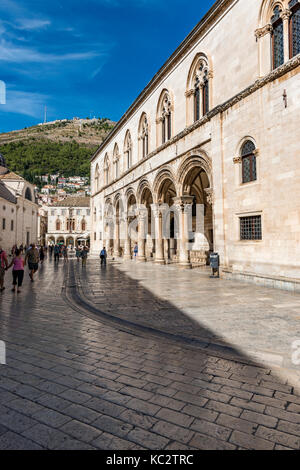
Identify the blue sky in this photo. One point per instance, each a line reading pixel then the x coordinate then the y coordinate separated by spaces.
pixel 85 57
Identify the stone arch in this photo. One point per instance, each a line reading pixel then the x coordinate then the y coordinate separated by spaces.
pixel 143 136
pixel 143 185
pixel 129 195
pixel 200 56
pixel 106 169
pixel 97 178
pixel 199 91
pixel 267 8
pixel 164 175
pixel 194 160
pixel 242 142
pixel 164 117
pixel 128 146
pixel 116 161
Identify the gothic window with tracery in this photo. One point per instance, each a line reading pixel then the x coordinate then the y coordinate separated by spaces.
pixel 201 90
pixel 106 170
pixel 277 38
pixel 249 172
pixel 294 6
pixel 58 225
pixel 117 161
pixel 128 150
pixel 144 135
pixel 166 118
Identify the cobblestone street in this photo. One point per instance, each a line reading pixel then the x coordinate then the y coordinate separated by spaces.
pixel 146 357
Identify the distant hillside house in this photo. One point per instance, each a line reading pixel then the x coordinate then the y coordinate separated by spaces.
pixel 18 209
pixel 69 222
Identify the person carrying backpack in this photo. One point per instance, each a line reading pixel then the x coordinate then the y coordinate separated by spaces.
pixel 103 256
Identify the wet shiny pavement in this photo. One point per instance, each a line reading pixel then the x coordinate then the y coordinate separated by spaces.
pixel 76 380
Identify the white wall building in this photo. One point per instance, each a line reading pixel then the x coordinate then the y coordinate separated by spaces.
pixel 69 221
pixel 218 125
pixel 18 209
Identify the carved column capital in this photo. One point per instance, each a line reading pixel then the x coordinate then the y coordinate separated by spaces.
pixel 189 93
pixel 237 160
pixel 182 202
pixel 285 14
pixel 210 196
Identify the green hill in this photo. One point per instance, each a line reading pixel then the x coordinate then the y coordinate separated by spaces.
pixel 64 147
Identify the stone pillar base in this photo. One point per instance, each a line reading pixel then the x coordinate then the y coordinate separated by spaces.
pixel 142 259
pixel 159 261
pixel 185 265
pixel 127 257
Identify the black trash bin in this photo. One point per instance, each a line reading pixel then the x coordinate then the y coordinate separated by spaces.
pixel 215 265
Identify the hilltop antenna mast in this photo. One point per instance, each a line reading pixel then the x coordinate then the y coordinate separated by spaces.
pixel 45 116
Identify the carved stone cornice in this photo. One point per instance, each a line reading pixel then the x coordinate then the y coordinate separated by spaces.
pixel 260 32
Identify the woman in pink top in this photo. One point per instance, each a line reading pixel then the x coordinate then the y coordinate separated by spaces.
pixel 18 270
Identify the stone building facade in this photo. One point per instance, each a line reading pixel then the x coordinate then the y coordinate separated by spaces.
pixel 69 221
pixel 18 209
pixel 217 126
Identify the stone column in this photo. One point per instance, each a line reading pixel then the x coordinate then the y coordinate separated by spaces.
pixel 142 219
pixel 285 15
pixel 182 204
pixel 159 247
pixel 264 38
pixel 127 244
pixel 117 237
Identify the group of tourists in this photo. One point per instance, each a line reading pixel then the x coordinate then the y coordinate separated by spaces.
pixel 18 263
pixel 21 256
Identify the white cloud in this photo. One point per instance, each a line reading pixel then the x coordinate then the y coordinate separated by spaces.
pixel 31 24
pixel 14 54
pixel 21 102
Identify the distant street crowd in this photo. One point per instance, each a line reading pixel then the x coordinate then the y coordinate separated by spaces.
pixel 32 256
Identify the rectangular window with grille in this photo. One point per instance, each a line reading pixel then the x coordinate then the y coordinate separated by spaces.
pixel 251 228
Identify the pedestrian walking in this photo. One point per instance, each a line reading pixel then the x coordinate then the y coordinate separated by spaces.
pixel 18 271
pixel 65 253
pixel 3 268
pixel 103 257
pixel 78 253
pixel 56 252
pixel 33 257
pixel 84 255
pixel 135 250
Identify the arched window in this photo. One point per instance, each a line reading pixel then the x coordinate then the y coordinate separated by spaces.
pixel 106 170
pixel 144 136
pixel 116 160
pixel 201 91
pixel 249 172
pixel 277 37
pixel 128 151
pixel 83 225
pixel 294 28
pixel 58 225
pixel 28 194
pixel 97 178
pixel 165 117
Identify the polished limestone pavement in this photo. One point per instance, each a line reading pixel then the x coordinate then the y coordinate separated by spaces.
pixel 137 356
